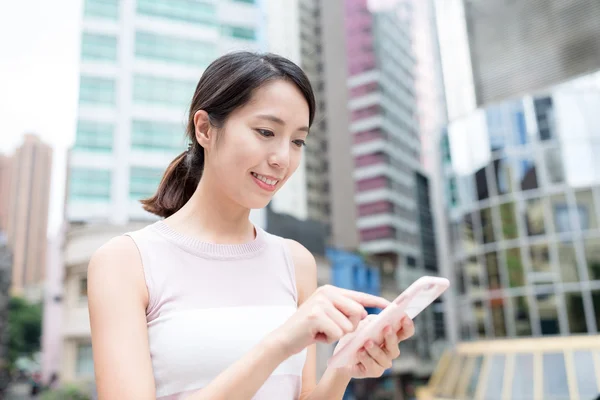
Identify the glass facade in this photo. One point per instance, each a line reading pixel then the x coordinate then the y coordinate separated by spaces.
pixel 104 9
pixel 144 182
pixel 522 190
pixel 94 136
pixel 97 91
pixel 192 11
pixel 98 47
pixel 238 32
pixel 157 47
pixel 87 184
pixel 162 91
pixel 157 136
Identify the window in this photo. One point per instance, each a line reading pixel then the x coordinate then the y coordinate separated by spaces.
pixel 584 370
pixel 98 47
pixel 83 289
pixel 144 182
pixel 164 48
pixel 495 378
pixel 555 376
pixel 108 9
pixel 94 90
pixel 85 363
pixel 86 184
pixel 522 387
pixel 193 11
pixel 162 91
pixel 94 136
pixel 238 32
pixel 161 136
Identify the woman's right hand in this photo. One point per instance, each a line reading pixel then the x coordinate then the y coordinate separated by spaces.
pixel 326 316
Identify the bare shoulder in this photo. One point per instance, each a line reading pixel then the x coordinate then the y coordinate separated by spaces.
pixel 306 269
pixel 118 248
pixel 302 257
pixel 117 263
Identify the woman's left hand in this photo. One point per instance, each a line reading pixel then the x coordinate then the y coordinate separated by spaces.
pixel 373 360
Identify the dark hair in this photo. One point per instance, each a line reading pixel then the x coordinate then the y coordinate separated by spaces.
pixel 227 84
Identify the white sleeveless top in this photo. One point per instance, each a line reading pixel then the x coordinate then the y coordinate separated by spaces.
pixel 209 304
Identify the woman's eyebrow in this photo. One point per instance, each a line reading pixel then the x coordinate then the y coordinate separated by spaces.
pixel 279 121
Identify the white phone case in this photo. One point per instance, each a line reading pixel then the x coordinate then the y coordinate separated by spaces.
pixel 412 301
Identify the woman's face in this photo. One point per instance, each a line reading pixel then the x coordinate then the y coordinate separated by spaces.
pixel 260 145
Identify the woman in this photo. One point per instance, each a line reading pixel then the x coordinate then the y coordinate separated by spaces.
pixel 204 305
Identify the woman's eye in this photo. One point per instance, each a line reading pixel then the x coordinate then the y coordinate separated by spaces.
pixel 299 143
pixel 265 132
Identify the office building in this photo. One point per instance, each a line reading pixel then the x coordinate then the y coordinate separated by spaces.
pixel 329 163
pixel 140 63
pixel 363 54
pixel 25 198
pixel 521 195
pixel 517 179
pixel 547 41
pixel 429 85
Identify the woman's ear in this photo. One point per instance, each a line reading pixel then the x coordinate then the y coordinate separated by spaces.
pixel 203 129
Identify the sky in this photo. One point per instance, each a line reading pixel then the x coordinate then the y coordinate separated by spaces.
pixel 39 75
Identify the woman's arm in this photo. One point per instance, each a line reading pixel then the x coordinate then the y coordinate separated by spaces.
pixel 334 382
pixel 118 297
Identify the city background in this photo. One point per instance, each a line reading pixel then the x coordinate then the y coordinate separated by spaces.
pixel 453 138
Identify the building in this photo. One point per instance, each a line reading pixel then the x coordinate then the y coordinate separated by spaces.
pixel 429 85
pixel 521 186
pixel 25 206
pixel 140 63
pixel 328 156
pixel 362 59
pixel 547 41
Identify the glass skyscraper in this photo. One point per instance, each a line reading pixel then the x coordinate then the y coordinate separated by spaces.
pixel 522 201
pixel 140 62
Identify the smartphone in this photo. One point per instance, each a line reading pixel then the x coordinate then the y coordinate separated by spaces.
pixel 412 301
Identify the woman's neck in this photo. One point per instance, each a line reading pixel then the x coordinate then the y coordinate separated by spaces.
pixel 213 217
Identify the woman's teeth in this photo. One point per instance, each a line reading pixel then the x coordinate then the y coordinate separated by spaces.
pixel 265 180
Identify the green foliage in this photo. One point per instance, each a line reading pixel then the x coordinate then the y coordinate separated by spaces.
pixel 24 328
pixel 67 392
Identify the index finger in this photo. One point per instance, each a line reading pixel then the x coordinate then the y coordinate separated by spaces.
pixel 365 299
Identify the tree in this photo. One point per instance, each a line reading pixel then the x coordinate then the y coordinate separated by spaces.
pixel 24 329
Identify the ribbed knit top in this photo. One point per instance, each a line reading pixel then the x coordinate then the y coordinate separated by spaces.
pixel 209 304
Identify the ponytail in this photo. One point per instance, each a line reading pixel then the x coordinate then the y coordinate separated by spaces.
pixel 178 183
